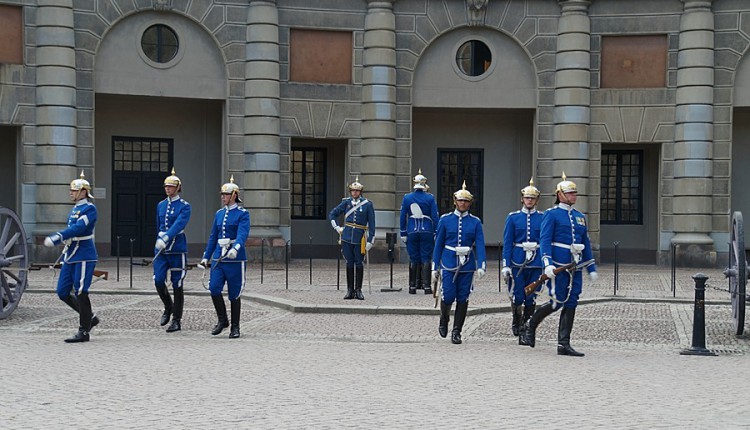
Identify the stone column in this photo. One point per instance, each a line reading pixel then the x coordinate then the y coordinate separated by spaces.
pixel 693 168
pixel 378 162
pixel 262 144
pixel 572 112
pixel 55 154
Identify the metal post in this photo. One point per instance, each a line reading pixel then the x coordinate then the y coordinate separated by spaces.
pixel 131 261
pixel 286 261
pixel 262 247
pixel 310 251
pixel 338 269
pixel 117 246
pixel 392 257
pixel 674 272
pixel 617 268
pixel 698 346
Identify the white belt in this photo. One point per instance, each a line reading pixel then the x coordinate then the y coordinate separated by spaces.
pixel 527 247
pixel 225 242
pixel 80 238
pixel 459 250
pixel 575 248
pixel 418 216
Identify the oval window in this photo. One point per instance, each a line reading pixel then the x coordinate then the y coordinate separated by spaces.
pixel 474 58
pixel 159 43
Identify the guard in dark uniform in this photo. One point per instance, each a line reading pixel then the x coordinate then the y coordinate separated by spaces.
pixel 225 252
pixel 359 218
pixel 564 239
pixel 459 252
pixel 78 257
pixel 419 218
pixel 522 263
pixel 170 250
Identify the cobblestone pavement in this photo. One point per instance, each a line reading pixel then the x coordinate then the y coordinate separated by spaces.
pixel 354 370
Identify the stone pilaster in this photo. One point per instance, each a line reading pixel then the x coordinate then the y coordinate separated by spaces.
pixel 693 168
pixel 572 112
pixel 378 166
pixel 55 152
pixel 262 143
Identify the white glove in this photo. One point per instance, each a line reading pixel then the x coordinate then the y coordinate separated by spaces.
pixel 203 264
pixel 594 276
pixel 48 241
pixel 550 271
pixel 160 244
pixel 404 238
pixel 481 273
pixel 338 229
pixel 232 253
pixel 435 275
pixel 505 273
pixel 368 246
pixel 164 236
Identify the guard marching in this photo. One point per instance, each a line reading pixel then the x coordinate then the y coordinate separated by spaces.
pixel 78 257
pixel 459 252
pixel 225 252
pixel 522 263
pixel 359 217
pixel 564 239
pixel 170 251
pixel 419 219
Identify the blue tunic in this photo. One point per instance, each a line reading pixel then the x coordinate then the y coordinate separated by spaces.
pixel 456 230
pixel 522 226
pixel 563 226
pixel 363 217
pixel 172 216
pixel 79 256
pixel 419 219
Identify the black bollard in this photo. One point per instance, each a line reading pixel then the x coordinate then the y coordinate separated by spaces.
pixel 262 247
pixel 698 346
pixel 311 253
pixel 131 261
pixel 617 269
pixel 286 262
pixel 117 246
pixel 674 270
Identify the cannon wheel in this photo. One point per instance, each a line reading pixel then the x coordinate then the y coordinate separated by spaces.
pixel 14 261
pixel 737 283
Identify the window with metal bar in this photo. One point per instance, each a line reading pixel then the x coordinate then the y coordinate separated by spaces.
pixel 308 183
pixel 622 187
pixel 141 154
pixel 455 167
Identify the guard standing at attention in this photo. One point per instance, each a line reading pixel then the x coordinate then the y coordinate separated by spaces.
pixel 522 263
pixel 564 239
pixel 419 218
pixel 359 217
pixel 459 252
pixel 225 251
pixel 78 257
pixel 170 250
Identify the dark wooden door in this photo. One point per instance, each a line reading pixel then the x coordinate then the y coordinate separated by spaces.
pixel 139 168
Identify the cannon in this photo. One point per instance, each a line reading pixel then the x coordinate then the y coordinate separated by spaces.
pixel 737 273
pixel 14 261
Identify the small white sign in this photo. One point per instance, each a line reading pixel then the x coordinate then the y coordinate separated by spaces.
pixel 99 193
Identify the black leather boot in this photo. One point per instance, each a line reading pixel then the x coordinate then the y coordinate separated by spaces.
pixel 358 287
pixel 234 332
pixel 167 300
pixel 426 277
pixel 84 312
pixel 413 270
pixel 458 321
pixel 221 312
pixel 515 325
pixel 528 311
pixel 349 283
pixel 528 333
pixel 73 303
pixel 563 333
pixel 445 317
pixel 179 303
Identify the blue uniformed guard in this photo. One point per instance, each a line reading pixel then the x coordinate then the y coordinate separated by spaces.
pixel 419 218
pixel 359 217
pixel 225 252
pixel 459 252
pixel 522 263
pixel 170 250
pixel 564 239
pixel 78 257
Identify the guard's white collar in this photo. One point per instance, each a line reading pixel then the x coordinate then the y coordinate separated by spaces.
pixel 174 199
pixel 526 211
pixel 83 201
pixel 460 214
pixel 565 206
pixel 229 208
